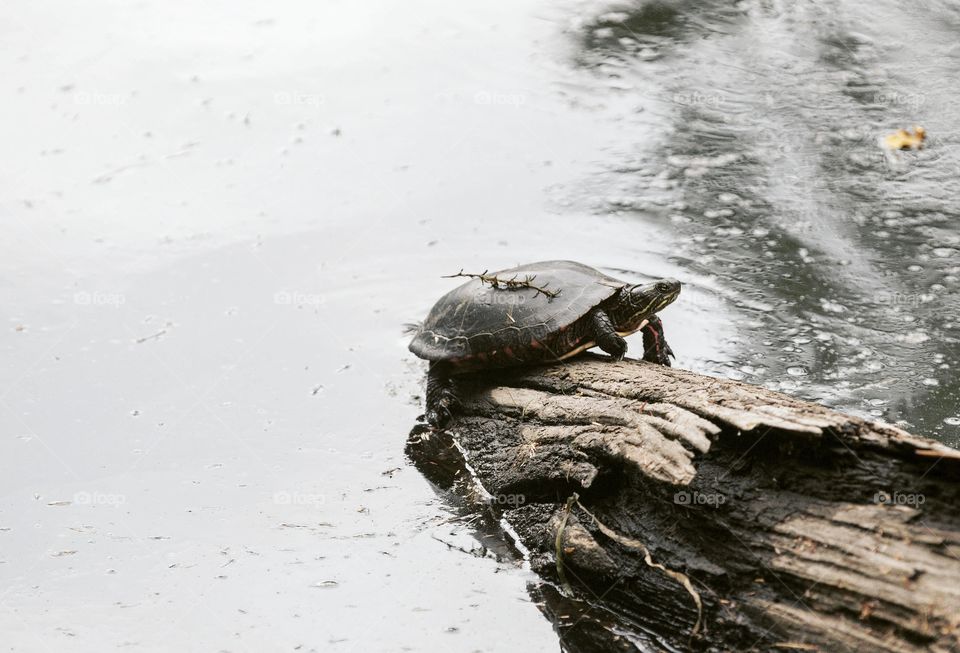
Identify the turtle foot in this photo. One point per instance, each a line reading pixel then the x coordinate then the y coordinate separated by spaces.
pixel 660 357
pixel 439 415
pixel 613 344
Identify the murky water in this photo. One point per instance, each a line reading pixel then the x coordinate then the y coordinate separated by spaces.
pixel 217 217
pixel 757 132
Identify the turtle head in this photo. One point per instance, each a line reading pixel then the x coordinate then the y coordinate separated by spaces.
pixel 639 302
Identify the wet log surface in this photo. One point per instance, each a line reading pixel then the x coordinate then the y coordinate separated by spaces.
pixel 798 527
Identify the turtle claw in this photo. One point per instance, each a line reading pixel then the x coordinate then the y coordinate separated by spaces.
pixel 661 357
pixel 669 354
pixel 616 348
pixel 439 416
pixel 434 420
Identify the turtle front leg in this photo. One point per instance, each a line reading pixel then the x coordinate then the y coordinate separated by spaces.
pixel 441 395
pixel 655 347
pixel 606 336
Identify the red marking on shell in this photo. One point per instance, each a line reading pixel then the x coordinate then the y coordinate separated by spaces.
pixel 508 351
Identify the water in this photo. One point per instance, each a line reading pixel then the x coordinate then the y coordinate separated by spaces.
pixel 759 147
pixel 217 217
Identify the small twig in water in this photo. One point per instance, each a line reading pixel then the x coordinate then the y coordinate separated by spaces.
pixel 512 283
pixel 156 335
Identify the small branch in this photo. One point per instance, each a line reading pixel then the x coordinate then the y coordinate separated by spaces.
pixel 155 335
pixel 512 283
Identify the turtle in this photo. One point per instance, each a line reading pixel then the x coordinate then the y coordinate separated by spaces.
pixel 536 313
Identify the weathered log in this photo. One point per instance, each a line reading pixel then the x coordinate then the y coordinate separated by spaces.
pixel 798 527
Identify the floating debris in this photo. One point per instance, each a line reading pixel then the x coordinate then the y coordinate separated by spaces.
pixel 158 334
pixel 904 139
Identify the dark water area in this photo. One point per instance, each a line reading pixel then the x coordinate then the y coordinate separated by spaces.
pixel 218 217
pixel 839 258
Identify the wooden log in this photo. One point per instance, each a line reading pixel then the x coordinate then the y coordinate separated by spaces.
pixel 797 527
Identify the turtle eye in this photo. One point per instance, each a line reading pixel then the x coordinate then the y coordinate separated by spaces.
pixel 663 286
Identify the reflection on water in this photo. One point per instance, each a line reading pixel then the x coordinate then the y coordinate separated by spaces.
pixel 840 257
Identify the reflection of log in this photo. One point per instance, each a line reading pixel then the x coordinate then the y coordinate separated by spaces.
pixel 799 527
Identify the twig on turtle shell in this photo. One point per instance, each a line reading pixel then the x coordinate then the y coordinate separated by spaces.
pixel 506 284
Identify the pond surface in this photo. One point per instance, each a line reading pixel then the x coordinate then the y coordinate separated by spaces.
pixel 755 140
pixel 218 216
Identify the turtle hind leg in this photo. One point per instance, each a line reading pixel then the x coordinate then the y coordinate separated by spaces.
pixel 441 395
pixel 655 347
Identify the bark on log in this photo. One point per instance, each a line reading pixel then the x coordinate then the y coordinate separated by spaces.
pixel 800 528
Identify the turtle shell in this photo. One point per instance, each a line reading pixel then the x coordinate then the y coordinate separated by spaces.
pixel 478 320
